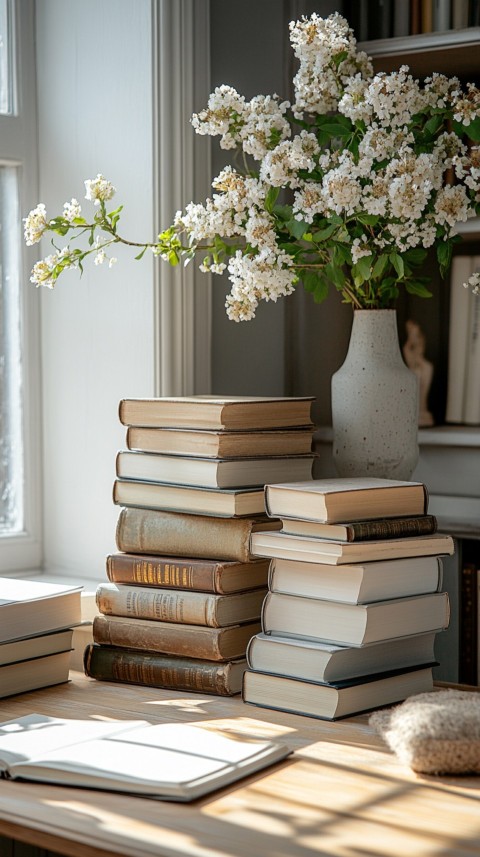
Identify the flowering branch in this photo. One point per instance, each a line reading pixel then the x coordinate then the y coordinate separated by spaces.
pixel 361 161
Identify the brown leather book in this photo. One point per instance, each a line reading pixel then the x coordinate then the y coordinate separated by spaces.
pixel 186 573
pixel 152 531
pixel 108 663
pixel 173 638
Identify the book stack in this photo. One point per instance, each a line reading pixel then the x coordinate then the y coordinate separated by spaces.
pixel 36 626
pixel 184 594
pixel 354 601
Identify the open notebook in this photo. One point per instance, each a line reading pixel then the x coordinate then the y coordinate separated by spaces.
pixel 170 761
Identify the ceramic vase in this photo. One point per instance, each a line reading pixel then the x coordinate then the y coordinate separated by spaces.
pixel 375 402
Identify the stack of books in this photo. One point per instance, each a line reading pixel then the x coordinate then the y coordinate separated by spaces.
pixel 354 601
pixel 36 627
pixel 184 593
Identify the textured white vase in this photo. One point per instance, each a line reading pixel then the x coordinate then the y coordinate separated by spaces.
pixel 375 402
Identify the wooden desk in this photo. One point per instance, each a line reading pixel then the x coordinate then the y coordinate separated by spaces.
pixel 341 793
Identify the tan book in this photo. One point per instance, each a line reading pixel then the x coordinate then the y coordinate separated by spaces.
pixel 354 624
pixel 332 701
pixel 173 638
pixel 307 549
pixel 108 663
pixel 169 605
pixel 220 444
pixel 222 502
pixel 219 412
pixel 213 472
pixel 357 584
pixel 187 573
pixel 331 501
pixel 175 534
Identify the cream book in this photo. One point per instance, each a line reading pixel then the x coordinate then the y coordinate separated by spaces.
pixel 168 761
pixel 344 500
pixel 218 412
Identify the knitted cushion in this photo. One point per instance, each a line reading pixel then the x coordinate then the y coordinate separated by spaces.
pixel 434 733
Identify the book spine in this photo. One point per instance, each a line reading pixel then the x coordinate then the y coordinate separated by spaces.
pixel 164 571
pixel 471 414
pixel 391 528
pixel 152 670
pixel 167 605
pixel 168 638
pixel 177 534
pixel 468 625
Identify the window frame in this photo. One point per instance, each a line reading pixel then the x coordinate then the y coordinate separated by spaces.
pixel 18 148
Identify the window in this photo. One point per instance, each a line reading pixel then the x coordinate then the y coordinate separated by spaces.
pixel 19 448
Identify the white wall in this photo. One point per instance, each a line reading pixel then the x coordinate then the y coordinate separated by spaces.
pixel 95 115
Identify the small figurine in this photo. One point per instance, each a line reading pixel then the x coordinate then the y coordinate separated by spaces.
pixel 414 356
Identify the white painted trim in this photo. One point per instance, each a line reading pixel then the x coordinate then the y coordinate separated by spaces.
pixel 181 70
pixel 423 42
pixel 18 135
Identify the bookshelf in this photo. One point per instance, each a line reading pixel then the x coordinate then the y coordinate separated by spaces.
pixel 451 53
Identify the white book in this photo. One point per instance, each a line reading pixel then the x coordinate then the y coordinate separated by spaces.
pixel 359 583
pixel 168 761
pixel 462 268
pixel 31 607
pixel 471 411
pixel 313 660
pixel 353 624
pixel 441 15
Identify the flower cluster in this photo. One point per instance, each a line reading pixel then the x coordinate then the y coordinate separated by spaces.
pixel 348 186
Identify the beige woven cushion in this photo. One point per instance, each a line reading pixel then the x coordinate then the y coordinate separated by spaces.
pixel 434 733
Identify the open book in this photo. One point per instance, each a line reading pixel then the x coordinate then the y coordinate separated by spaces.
pixel 170 761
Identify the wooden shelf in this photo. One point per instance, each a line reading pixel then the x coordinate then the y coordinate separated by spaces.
pixel 451 53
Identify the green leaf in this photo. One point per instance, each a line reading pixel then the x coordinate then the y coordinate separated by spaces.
pixel 271 198
pixel 297 227
pixel 173 258
pixel 368 219
pixel 310 280
pixel 341 255
pixel 283 212
pixel 292 249
pixel 380 266
pixel 397 263
pixel 321 290
pixel 141 254
pixel 444 256
pixel 335 274
pixel 433 124
pixel 323 234
pixel 336 130
pixel 364 267
pixel 415 288
pixel 416 255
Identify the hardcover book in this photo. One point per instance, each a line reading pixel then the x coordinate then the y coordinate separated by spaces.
pixel 220 444
pixel 357 583
pixel 212 472
pixel 31 607
pixel 169 605
pixel 339 699
pixel 153 669
pixel 313 660
pixel 307 549
pixel 222 502
pixel 354 624
pixel 222 412
pixel 331 501
pixel 34 673
pixel 357 531
pixel 168 761
pixel 187 573
pixel 177 534
pixel 174 638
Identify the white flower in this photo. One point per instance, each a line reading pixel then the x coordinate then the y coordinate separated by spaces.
pixel 452 205
pixel 267 276
pixel 98 189
pixel 473 283
pixel 46 271
pixel 35 224
pixel 100 257
pixel 71 210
